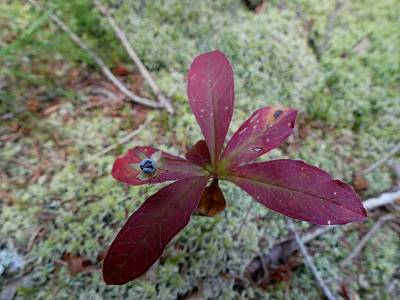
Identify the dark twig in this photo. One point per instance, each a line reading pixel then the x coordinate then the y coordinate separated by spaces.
pixel 310 264
pixel 365 239
pixel 133 55
pixel 106 71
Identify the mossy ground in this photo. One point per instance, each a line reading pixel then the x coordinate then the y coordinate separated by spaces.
pixel 340 70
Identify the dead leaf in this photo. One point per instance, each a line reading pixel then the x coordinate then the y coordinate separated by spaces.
pixel 120 70
pixel 32 104
pixel 260 7
pixel 73 75
pixel 137 83
pixel 51 109
pixel 37 232
pixel 212 201
pixel 14 126
pixel 359 183
pixel 11 137
pixel 77 264
pixel 347 293
pixel 7 198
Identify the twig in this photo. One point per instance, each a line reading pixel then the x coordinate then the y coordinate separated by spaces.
pixel 395 165
pixel 381 161
pixel 383 199
pixel 369 204
pixel 122 141
pixel 365 239
pixel 236 235
pixel 133 55
pixel 106 71
pixel 310 263
pixel 282 250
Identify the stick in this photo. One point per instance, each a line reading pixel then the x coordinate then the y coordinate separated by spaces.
pixel 310 264
pixel 236 235
pixel 122 141
pixel 395 165
pixel 133 55
pixel 383 199
pixel 365 239
pixel 281 251
pixel 381 161
pixel 106 71
pixel 369 204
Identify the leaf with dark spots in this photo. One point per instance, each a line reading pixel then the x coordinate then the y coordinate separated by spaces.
pixel 199 154
pixel 77 264
pixel 149 230
pixel 174 167
pixel 212 201
pixel 265 130
pixel 211 95
pixel 300 191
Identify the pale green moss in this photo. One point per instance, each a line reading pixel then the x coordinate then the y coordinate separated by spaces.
pixel 349 108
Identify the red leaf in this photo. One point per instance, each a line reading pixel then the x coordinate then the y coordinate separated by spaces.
pixel 148 231
pixel 120 70
pixel 174 168
pixel 266 129
pixel 211 96
pixel 300 191
pixel 199 154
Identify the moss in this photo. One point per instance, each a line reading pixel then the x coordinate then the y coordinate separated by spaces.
pixel 349 116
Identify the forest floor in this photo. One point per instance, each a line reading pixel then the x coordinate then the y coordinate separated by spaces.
pixel 337 62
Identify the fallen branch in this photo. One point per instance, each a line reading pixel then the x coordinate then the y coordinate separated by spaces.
pixel 283 249
pixel 383 199
pixel 365 239
pixel 310 264
pixel 122 141
pixel 381 161
pixel 106 71
pixel 133 55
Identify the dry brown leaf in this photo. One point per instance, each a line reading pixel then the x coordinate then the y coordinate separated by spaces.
pixel 359 183
pixel 32 104
pixel 77 264
pixel 212 201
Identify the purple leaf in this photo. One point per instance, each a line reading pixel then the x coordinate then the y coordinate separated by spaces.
pixel 149 230
pixel 265 130
pixel 199 154
pixel 174 167
pixel 211 96
pixel 300 191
